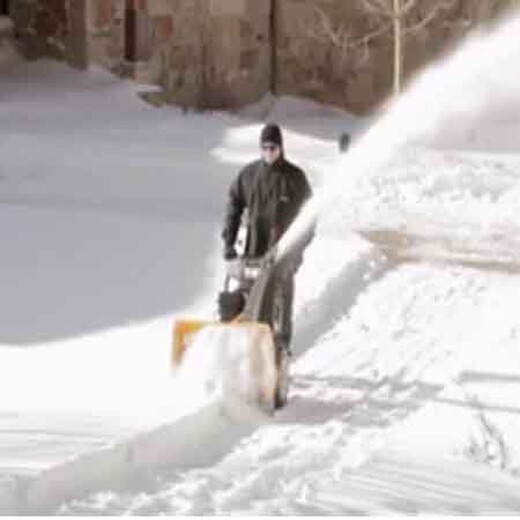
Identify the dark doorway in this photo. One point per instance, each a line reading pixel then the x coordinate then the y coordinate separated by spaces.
pixel 137 37
pixel 4 8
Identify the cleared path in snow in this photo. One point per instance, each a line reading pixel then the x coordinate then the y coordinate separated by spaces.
pixel 365 382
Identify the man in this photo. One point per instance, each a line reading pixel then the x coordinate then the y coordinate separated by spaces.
pixel 273 190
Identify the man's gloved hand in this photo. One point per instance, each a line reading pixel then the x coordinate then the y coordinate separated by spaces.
pixel 230 253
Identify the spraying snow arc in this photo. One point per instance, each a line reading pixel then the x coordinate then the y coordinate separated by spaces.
pixel 477 82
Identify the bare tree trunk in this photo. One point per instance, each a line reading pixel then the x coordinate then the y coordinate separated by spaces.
pixel 396 12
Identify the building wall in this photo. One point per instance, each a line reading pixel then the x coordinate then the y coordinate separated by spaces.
pixel 76 42
pixel 219 53
pixel 238 52
pixel 205 53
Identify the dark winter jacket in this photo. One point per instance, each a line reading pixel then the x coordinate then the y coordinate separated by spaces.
pixel 273 195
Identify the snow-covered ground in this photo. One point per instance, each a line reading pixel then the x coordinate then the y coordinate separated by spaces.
pixel 406 354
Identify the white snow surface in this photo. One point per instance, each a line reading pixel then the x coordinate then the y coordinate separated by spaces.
pixel 405 375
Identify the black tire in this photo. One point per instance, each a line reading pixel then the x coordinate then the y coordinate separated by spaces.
pixel 282 379
pixel 282 354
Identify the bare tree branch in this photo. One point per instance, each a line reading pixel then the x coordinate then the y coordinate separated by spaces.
pixel 379 7
pixel 341 37
pixel 397 12
pixel 429 17
pixel 406 8
pixel 338 36
pixel 367 38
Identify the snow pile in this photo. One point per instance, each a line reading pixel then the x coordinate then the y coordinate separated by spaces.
pixel 313 120
pixel 279 108
pixel 458 196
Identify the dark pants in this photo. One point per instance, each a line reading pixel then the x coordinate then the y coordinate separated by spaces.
pixel 280 305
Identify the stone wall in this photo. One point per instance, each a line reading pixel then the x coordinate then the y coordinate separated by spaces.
pixel 204 53
pixel 226 53
pixel 105 32
pixel 238 52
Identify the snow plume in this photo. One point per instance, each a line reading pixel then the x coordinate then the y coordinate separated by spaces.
pixel 231 364
pixel 449 99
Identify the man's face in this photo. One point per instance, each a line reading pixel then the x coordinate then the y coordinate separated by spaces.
pixel 270 152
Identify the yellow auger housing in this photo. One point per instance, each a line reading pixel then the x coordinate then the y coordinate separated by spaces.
pixel 183 333
pixel 255 326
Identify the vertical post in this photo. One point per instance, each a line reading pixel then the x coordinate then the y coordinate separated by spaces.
pixel 129 19
pixel 77 44
pixel 202 14
pixel 137 38
pixel 397 15
pixel 273 46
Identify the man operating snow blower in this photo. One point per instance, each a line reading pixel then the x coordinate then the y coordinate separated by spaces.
pixel 272 191
pixel 257 298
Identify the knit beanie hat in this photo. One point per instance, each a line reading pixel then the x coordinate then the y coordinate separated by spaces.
pixel 271 133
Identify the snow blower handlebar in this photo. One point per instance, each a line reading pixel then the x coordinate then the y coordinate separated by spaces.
pixel 246 270
pixel 247 301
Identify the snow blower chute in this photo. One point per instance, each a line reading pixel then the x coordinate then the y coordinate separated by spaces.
pixel 250 312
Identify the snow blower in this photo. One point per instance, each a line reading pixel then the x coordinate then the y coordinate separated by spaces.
pixel 250 311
